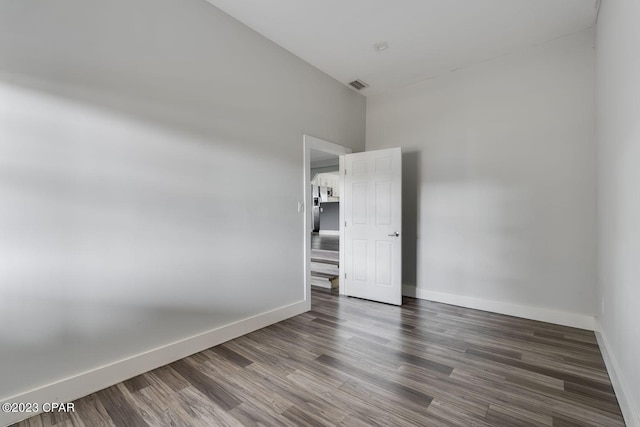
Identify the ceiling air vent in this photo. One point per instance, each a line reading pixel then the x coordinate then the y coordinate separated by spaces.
pixel 358 84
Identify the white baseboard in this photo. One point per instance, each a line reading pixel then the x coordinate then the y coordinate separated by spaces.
pixel 330 232
pixel 630 412
pixel 88 382
pixel 575 320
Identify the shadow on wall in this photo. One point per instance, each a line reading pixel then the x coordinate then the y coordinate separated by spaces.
pixel 410 205
pixel 465 236
pixel 150 165
pixel 61 329
pixel 205 122
pixel 122 225
pixel 476 240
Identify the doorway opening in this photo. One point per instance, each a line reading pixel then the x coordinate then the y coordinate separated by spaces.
pixel 325 210
pixel 369 235
pixel 323 215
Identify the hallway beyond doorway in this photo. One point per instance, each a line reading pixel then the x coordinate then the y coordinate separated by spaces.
pixel 325 242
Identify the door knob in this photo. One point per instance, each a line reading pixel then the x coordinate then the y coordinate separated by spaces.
pixel 394 234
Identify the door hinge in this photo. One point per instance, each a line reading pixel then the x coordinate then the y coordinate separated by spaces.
pixel 345 171
pixel 345 223
pixel 345 275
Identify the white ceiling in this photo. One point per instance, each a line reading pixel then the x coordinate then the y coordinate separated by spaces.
pixel 318 156
pixel 426 38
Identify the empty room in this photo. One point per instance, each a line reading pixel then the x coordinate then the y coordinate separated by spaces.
pixel 291 213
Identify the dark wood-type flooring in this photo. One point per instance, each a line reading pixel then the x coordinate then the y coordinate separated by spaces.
pixel 325 242
pixel 357 363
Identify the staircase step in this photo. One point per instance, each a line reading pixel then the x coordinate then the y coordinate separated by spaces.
pixel 328 257
pixel 323 275
pixel 320 267
pixel 325 261
pixel 321 282
pixel 324 268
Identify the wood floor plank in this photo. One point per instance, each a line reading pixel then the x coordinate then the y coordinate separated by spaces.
pixel 499 418
pixel 301 397
pixel 136 383
pixel 555 373
pixel 397 388
pixel 249 415
pixel 199 406
pixel 155 412
pixel 236 358
pixel 91 411
pixel 399 409
pixel 521 414
pixel 447 389
pixel 168 376
pixel 205 385
pixel 399 357
pixel 456 414
pixel 357 407
pixel 248 386
pixel 119 408
pixel 353 362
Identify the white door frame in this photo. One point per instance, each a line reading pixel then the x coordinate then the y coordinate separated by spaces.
pixel 309 142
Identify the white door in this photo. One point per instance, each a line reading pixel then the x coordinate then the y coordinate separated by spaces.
pixel 373 219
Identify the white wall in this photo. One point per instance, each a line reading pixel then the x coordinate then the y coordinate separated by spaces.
pixel 140 145
pixel 618 136
pixel 499 182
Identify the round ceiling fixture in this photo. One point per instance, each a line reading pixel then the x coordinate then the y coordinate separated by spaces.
pixel 379 47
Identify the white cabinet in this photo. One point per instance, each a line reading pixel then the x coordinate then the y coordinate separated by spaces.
pixel 328 179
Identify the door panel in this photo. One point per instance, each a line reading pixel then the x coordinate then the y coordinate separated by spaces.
pixel 359 200
pixel 372 234
pixel 360 260
pixel 383 203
